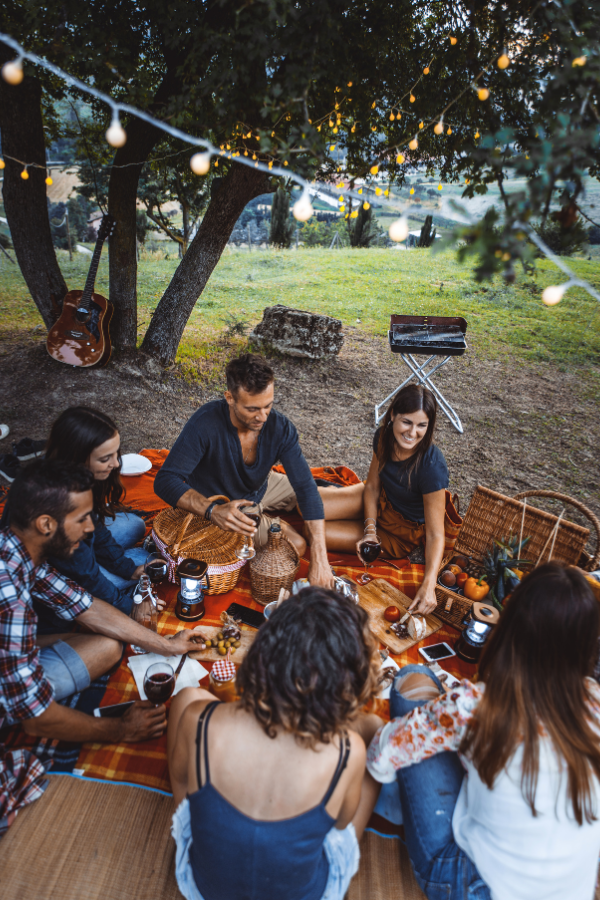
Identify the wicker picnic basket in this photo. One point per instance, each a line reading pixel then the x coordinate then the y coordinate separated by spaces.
pixel 178 535
pixel 274 567
pixel 494 516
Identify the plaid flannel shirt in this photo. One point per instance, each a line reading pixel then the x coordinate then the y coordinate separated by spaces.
pixel 24 690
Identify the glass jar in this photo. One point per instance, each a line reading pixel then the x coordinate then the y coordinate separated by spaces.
pixel 222 681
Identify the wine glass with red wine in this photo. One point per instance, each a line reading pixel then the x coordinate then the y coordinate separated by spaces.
pixel 159 683
pixel 156 568
pixel 369 551
pixel 248 551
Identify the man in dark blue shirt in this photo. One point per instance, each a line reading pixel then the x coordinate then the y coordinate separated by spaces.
pixel 229 447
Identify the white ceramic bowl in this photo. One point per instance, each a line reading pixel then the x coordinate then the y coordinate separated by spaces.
pixel 134 464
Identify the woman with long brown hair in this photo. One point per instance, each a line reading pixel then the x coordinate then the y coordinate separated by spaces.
pixel 405 501
pixel 271 791
pixel 500 780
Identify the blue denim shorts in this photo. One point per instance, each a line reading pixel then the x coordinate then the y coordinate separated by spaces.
pixel 64 669
pixel 341 849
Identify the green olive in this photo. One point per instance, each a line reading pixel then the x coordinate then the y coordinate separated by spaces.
pixel 208 643
pixel 220 644
pixel 232 650
pixel 220 636
pixel 222 651
pixel 228 643
pixel 237 643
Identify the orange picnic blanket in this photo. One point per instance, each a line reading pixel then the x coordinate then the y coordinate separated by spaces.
pixel 146 763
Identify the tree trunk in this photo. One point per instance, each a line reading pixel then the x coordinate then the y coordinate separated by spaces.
pixel 22 129
pixel 241 185
pixel 122 205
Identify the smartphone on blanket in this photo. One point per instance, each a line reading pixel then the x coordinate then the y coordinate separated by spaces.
pixel 113 712
pixel 251 617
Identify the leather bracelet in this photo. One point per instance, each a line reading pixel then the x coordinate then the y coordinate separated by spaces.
pixel 209 509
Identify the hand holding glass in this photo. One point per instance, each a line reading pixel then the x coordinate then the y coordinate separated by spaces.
pixel 159 683
pixel 248 551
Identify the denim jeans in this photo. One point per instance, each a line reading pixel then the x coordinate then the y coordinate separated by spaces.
pixel 428 794
pixel 127 529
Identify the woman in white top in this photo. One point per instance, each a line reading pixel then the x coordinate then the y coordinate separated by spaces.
pixel 499 780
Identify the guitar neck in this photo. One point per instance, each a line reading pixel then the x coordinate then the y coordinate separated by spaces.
pixel 86 297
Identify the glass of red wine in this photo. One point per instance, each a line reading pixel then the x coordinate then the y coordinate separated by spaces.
pixel 248 551
pixel 156 568
pixel 369 551
pixel 159 683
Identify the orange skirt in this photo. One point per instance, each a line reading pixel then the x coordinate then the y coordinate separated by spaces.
pixel 400 536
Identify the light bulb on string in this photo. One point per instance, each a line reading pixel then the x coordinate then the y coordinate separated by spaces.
pixel 412 190
pixel 25 174
pixel 440 186
pixel 392 117
pixel 503 61
pixel 483 93
pixel 302 209
pixel 398 230
pixel 116 135
pixel 49 180
pixel 200 163
pixel 414 143
pixel 453 40
pixel 554 293
pixel 477 135
pixel 412 98
pixel 421 124
pixel 426 70
pixel 438 128
pixel 579 61
pixel 374 170
pixel 2 164
pixel 449 130
pixel 400 159
pixel 12 71
pixel 366 205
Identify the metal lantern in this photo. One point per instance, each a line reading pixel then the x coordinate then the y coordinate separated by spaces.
pixel 190 599
pixel 481 620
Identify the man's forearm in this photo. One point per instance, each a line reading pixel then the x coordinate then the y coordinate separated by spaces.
pixel 316 539
pixel 64 724
pixel 104 619
pixel 194 502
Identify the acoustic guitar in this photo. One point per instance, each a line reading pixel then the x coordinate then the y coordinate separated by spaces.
pixel 81 335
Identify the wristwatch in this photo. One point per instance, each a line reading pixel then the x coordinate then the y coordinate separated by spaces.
pixel 210 507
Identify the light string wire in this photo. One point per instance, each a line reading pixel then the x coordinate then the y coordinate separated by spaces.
pixel 270 169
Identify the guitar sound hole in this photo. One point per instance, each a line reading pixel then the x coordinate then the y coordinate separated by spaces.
pixel 82 314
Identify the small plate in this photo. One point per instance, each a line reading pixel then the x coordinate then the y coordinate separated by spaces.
pixel 134 464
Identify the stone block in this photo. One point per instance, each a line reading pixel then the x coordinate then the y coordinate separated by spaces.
pixel 298 333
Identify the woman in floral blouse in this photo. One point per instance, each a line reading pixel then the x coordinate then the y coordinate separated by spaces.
pixel 500 780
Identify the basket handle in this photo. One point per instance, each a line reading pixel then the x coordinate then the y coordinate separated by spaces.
pixel 564 498
pixel 187 520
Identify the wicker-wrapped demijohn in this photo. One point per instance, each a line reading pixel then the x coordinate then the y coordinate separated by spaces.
pixel 274 567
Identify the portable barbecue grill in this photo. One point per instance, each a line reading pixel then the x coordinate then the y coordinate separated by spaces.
pixel 437 336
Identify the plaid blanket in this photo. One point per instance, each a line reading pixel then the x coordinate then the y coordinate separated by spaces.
pixel 145 763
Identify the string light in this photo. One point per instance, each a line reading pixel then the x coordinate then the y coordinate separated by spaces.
pixel 400 159
pixel 414 143
pixel 12 72
pixel 453 40
pixel 25 174
pixel 426 70
pixel 366 205
pixel 412 98
pixel 392 117
pixel 579 61
pixel 449 130
pixel 503 61
pixel 440 186
pixel 116 135
pixel 302 209
pixel 554 293
pixel 421 124
pixel 200 163
pixel 438 128
pixel 374 170
pixel 49 181
pixel 2 164
pixel 483 93
pixel 477 135
pixel 412 190
pixel 398 230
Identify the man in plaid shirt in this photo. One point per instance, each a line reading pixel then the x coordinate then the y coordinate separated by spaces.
pixel 51 506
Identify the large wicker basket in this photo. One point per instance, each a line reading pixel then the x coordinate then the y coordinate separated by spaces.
pixel 494 516
pixel 179 535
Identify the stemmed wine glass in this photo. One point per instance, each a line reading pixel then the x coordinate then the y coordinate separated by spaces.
pixel 159 682
pixel 369 551
pixel 155 568
pixel 248 551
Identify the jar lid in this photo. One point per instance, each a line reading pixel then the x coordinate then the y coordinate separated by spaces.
pixel 223 670
pixel 275 528
pixel 192 568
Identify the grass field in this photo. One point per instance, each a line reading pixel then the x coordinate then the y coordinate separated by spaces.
pixel 361 287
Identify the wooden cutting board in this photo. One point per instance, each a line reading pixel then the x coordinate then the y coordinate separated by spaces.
pixel 210 654
pixel 375 597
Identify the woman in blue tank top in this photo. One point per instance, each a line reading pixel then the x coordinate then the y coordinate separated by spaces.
pixel 272 793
